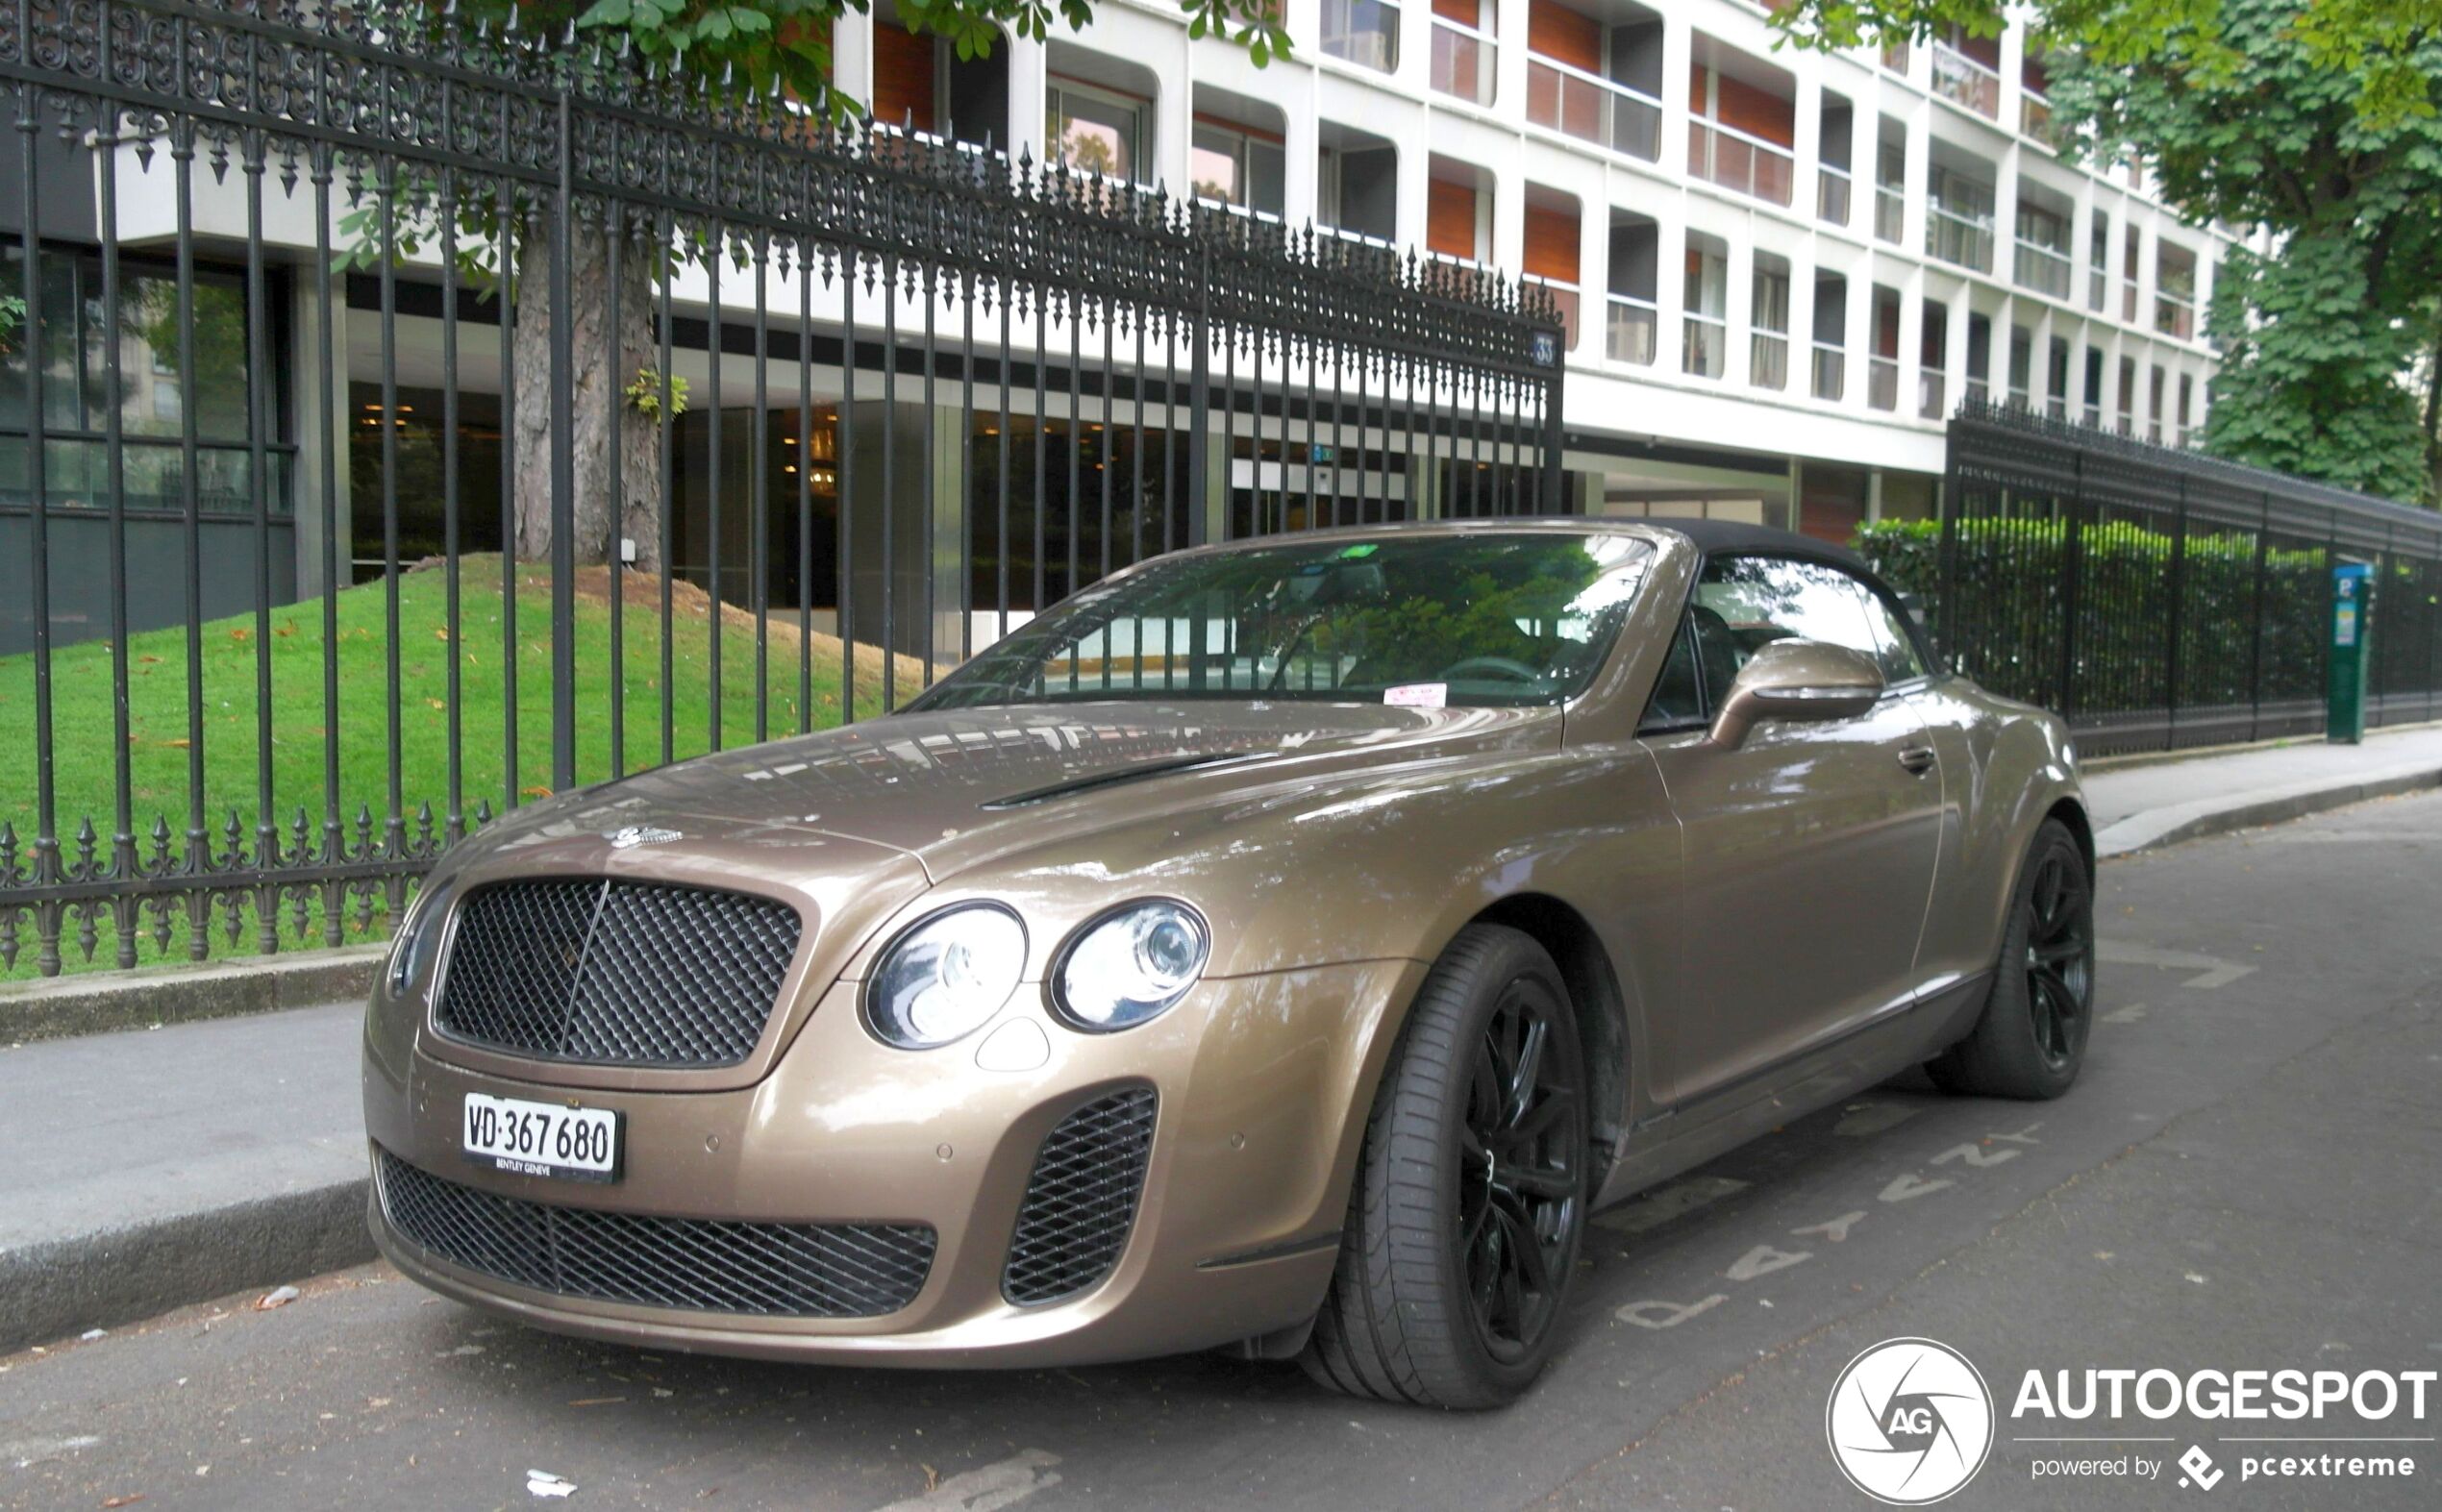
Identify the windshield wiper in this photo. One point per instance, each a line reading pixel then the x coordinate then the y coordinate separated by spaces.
pixel 1125 774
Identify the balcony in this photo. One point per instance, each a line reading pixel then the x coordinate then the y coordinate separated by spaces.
pixel 1629 335
pixel 1882 382
pixel 2044 270
pixel 1703 345
pixel 1963 239
pixel 1592 109
pixel 1729 157
pixel 1831 371
pixel 1363 31
pixel 1462 61
pixel 1831 188
pixel 2173 316
pixel 1963 80
pixel 1768 359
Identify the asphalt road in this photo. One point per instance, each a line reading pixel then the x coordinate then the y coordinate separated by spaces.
pixel 2245 1178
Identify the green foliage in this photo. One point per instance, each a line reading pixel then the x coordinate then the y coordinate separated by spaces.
pixel 2311 385
pixel 644 393
pixel 2011 609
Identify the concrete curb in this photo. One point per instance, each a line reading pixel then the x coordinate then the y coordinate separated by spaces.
pixel 66 1006
pixel 123 1275
pixel 2169 824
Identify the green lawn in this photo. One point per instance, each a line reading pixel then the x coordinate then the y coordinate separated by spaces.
pixel 158 744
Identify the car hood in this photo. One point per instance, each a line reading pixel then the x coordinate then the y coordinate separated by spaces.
pixel 947 788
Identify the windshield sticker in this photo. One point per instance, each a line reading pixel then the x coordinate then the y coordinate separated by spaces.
pixel 1359 552
pixel 1418 695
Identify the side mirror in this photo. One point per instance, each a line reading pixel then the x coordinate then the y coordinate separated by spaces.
pixel 1794 680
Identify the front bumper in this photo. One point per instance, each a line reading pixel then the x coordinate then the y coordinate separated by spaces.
pixel 1264 1085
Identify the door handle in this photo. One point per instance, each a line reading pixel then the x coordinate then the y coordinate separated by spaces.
pixel 1918 759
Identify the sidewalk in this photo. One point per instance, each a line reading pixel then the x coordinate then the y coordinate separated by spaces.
pixel 2138 806
pixel 142 1171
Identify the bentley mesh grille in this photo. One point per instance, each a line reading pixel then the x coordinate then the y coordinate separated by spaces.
pixel 1081 1199
pixel 701 1264
pixel 616 973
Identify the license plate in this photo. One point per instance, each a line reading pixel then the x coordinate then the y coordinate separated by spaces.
pixel 577 1144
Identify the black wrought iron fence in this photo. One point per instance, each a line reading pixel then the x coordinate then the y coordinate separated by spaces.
pixel 2156 598
pixel 399 420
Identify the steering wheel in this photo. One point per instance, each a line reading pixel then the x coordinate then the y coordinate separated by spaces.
pixel 1513 670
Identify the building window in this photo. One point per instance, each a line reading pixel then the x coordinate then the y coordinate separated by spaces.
pixel 1959 221
pixel 2128 264
pixel 1890 188
pixel 1967 70
pixel 1357 192
pixel 77 361
pixel 2043 262
pixel 2128 396
pixel 2153 410
pixel 1704 346
pixel 2022 367
pixel 2186 416
pixel 2092 412
pixel 1363 31
pixel 1831 336
pixel 2099 259
pixel 1634 274
pixel 1768 317
pixel 1098 130
pixel 1232 165
pixel 1739 134
pixel 2175 291
pixel 2055 379
pixel 1464 53
pixel 1883 372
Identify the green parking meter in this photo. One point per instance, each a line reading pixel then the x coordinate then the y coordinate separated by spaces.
pixel 2346 719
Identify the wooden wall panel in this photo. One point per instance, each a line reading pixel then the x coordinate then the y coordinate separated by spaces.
pixel 1559 32
pixel 1450 218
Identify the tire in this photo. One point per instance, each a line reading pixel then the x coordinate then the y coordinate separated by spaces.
pixel 1435 1301
pixel 2030 1039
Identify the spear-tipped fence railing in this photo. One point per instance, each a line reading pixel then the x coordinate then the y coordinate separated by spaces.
pixel 342 350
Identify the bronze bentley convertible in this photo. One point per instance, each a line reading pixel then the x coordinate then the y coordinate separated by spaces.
pixel 1282 945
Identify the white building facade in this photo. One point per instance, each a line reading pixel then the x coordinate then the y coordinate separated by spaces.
pixel 1783 269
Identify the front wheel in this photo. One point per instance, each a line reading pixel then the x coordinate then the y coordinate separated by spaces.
pixel 1469 1205
pixel 2031 1039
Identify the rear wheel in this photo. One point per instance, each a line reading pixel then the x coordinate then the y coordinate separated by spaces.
pixel 2031 1039
pixel 1469 1205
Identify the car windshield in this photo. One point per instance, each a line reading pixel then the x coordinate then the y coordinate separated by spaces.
pixel 1461 619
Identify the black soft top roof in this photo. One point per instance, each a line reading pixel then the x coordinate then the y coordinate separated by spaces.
pixel 1714 537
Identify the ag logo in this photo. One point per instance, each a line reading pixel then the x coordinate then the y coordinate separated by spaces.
pixel 633 835
pixel 1909 1422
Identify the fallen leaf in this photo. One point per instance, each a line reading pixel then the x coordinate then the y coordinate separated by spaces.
pixel 596 1402
pixel 241 636
pixel 437 703
pixel 277 1296
pixel 127 1501
pixel 148 659
pixel 536 792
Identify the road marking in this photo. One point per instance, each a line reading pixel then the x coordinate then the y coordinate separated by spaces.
pixel 1909 1186
pixel 1976 1155
pixel 1662 1204
pixel 992 1486
pixel 1762 1260
pixel 1836 1231
pixel 1873 1118
pixel 2127 1015
pixel 1655 1314
pixel 2213 971
pixel 2023 1137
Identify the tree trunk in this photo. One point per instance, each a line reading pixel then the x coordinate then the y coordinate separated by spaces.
pixel 598 384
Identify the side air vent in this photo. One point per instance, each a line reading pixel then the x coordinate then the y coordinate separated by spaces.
pixel 1081 1199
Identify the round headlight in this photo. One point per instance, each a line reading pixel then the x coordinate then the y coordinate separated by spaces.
pixel 419 938
pixel 1132 965
pixel 941 979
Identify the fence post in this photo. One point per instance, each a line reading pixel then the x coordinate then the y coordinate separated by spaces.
pixel 2172 660
pixel 1946 553
pixel 2255 649
pixel 1552 499
pixel 2073 568
pixel 1200 403
pixel 563 467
